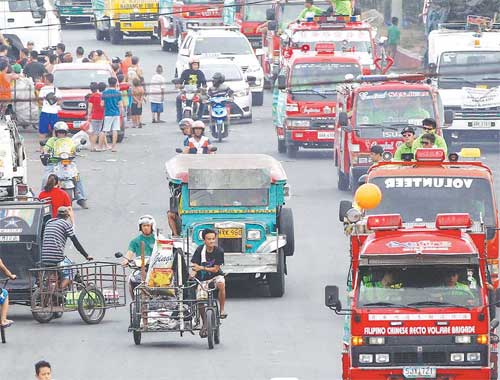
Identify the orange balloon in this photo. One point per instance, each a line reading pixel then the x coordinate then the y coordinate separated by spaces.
pixel 368 196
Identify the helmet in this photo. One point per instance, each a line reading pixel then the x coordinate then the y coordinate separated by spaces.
pixel 63 212
pixel 193 60
pixel 147 219
pixel 61 126
pixel 198 124
pixel 218 79
pixel 187 121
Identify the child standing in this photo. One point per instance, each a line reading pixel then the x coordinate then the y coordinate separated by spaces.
pixel 137 100
pixel 96 114
pixel 48 117
pixel 157 94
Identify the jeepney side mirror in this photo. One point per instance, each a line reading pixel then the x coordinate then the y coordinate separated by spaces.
pixel 118 255
pixel 332 297
pixel 343 119
pixel 270 15
pixel 344 207
pixel 281 82
pixel 490 233
pixel 448 117
pixel 272 25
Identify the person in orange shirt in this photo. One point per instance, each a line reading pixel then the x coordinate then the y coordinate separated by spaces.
pixel 5 87
pixel 126 63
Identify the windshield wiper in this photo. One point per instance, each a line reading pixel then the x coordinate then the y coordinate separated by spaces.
pixel 458 79
pixel 490 78
pixel 377 126
pixel 384 304
pixel 309 90
pixel 438 303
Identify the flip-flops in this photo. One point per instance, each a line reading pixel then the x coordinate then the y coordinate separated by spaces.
pixel 223 316
pixel 8 324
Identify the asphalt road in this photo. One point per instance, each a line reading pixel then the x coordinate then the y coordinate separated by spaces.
pixel 263 338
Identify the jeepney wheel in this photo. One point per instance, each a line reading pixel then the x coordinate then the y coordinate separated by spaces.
pixel 281 146
pixel 342 181
pixel 116 36
pixel 210 327
pixel 91 305
pixel 285 222
pixel 276 280
pixel 36 301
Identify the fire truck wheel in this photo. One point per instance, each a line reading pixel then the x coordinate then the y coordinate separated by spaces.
pixel 342 181
pixel 281 146
pixel 276 280
pixel 257 98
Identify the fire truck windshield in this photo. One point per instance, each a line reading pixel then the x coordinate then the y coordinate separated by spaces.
pixel 344 40
pixel 419 199
pixel 255 12
pixel 310 78
pixel 393 106
pixel 421 286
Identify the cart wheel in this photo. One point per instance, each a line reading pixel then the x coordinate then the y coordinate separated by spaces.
pixel 36 301
pixel 136 322
pixel 210 328
pixel 137 337
pixel 91 305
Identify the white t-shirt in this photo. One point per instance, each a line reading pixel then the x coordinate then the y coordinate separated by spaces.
pixel 155 88
pixel 46 107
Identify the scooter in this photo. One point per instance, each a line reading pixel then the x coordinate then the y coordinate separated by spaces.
pixel 68 173
pixel 190 100
pixel 219 117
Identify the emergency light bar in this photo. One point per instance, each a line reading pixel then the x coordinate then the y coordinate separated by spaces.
pixel 430 155
pixel 400 77
pixel 453 221
pixel 470 153
pixel 338 19
pixel 384 222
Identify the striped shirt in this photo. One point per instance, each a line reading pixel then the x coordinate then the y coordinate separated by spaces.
pixel 57 231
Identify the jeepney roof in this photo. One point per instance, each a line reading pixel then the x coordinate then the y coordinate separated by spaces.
pixel 177 168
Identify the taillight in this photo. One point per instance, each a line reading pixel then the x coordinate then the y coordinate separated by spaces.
pixel 65 162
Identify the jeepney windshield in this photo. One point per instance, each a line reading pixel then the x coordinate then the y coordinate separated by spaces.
pixel 255 12
pixel 15 222
pixel 346 41
pixel 420 286
pixel 228 197
pixel 79 78
pixel 392 107
pixel 419 199
pixel 310 81
pixel 469 69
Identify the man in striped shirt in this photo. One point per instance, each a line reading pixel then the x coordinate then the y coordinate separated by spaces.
pixel 57 231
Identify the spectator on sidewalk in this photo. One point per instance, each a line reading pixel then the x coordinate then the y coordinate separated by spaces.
pixel 126 63
pixel 137 101
pixel 96 114
pixel 79 54
pixel 113 108
pixel 393 38
pixel 51 61
pixel 50 107
pixel 34 69
pixel 157 94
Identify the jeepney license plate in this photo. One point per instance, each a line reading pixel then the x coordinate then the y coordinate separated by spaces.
pixel 9 238
pixel 230 233
pixel 419 372
pixel 326 135
pixel 483 124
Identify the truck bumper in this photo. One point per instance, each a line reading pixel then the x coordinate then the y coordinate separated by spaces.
pixel 235 263
pixel 136 28
pixel 467 132
pixel 310 138
pixel 455 373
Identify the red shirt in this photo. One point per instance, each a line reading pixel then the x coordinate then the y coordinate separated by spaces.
pixel 97 109
pixel 58 198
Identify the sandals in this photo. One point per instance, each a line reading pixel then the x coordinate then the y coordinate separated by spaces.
pixel 223 316
pixel 8 324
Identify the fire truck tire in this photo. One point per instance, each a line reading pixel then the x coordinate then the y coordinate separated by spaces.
pixel 276 280
pixel 257 98
pixel 286 227
pixel 342 181
pixel 281 146
pixel 116 36
pixel 99 34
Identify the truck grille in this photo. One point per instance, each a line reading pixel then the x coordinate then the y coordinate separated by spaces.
pixel 322 123
pixel 476 113
pixel 143 17
pixel 401 358
pixel 244 68
pixel 437 357
pixel 74 105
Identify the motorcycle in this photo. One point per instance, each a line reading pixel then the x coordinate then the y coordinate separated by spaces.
pixel 190 101
pixel 68 174
pixel 219 125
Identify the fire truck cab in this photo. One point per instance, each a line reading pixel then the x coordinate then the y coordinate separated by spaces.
pixel 306 97
pixel 373 110
pixel 420 303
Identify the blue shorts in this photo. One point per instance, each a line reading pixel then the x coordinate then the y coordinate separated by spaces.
pixel 156 107
pixel 46 122
pixel 67 273
pixel 4 294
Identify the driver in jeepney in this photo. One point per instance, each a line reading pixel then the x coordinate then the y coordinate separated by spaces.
pixel 54 147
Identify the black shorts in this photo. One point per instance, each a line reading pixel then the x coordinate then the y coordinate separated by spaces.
pixel 135 110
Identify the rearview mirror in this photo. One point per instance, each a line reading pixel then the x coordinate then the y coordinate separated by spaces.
pixel 343 119
pixel 448 117
pixel 344 206
pixel 332 297
pixel 432 68
pixel 281 82
pixel 270 15
pixel 494 324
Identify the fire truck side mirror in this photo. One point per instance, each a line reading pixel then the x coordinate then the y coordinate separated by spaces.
pixel 272 25
pixel 344 207
pixel 432 68
pixel 490 234
pixel 448 117
pixel 281 82
pixel 332 297
pixel 270 15
pixel 343 119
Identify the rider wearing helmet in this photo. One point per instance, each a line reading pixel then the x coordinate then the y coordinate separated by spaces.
pixel 219 88
pixel 62 143
pixel 192 76
pixel 198 143
pixel 185 126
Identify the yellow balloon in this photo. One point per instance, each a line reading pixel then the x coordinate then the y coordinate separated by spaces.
pixel 368 196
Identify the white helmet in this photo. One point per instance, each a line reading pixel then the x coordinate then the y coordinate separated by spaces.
pixel 198 124
pixel 147 219
pixel 61 126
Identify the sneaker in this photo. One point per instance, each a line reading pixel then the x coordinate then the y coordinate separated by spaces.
pixel 82 203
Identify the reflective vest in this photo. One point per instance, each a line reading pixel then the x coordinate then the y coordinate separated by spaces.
pixel 198 147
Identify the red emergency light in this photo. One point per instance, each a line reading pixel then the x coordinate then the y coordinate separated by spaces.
pixel 325 48
pixel 453 221
pixel 384 222
pixel 430 155
pixel 305 48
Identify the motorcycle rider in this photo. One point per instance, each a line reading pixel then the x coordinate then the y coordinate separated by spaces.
pixel 185 126
pixel 192 76
pixel 198 143
pixel 220 89
pixel 147 236
pixel 56 145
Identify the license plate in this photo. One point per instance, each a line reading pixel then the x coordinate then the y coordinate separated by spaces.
pixel 149 24
pixel 9 238
pixel 77 124
pixel 326 135
pixel 230 233
pixel 419 372
pixel 483 123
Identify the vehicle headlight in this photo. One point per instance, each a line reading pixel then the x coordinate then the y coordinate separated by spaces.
pixel 365 358
pixel 456 357
pixel 382 358
pixel 463 339
pixel 474 357
pixel 376 340
pixel 253 235
pixel 242 92
pixel 299 123
pixel 64 156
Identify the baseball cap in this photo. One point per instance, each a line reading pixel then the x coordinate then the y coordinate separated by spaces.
pixel 408 129
pixel 63 211
pixel 377 149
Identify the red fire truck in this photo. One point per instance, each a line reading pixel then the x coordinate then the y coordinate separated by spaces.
pixel 176 19
pixel 420 301
pixel 305 103
pixel 373 110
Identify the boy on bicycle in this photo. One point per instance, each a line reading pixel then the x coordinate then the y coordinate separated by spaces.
pixel 4 297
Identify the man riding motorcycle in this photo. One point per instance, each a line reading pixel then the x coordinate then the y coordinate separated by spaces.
pixel 220 89
pixel 198 143
pixel 147 236
pixel 192 76
pixel 54 146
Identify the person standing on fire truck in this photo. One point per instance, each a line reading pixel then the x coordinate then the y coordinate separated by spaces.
pixel 429 125
pixel 406 147
pixel 309 8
